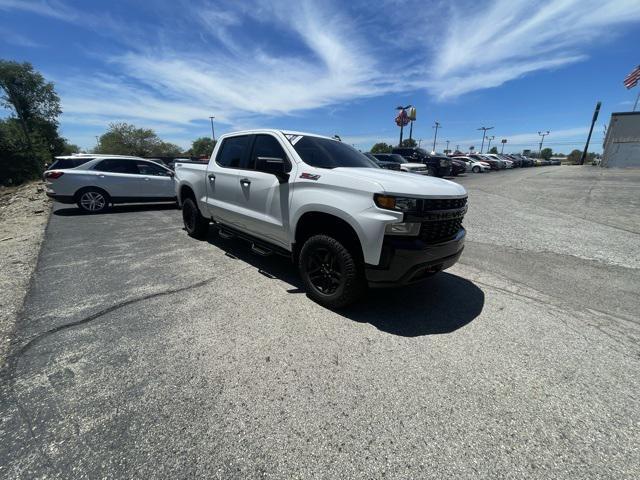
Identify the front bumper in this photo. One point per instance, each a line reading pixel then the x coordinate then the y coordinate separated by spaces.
pixel 404 261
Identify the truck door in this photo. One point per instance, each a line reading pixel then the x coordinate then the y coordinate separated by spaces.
pixel 263 198
pixel 223 179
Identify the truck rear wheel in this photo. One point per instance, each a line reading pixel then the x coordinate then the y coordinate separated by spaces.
pixel 332 275
pixel 194 223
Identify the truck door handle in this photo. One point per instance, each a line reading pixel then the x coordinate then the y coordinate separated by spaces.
pixel 245 182
pixel 212 177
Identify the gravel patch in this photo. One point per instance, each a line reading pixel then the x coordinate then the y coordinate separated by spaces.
pixel 24 212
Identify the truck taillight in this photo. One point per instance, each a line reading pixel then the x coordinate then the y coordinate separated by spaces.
pixel 53 174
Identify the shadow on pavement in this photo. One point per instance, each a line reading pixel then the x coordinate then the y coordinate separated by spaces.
pixel 440 304
pixel 138 207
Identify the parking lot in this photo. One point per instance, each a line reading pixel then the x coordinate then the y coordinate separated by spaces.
pixel 144 353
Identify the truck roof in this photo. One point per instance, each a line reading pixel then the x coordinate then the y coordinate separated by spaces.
pixel 275 130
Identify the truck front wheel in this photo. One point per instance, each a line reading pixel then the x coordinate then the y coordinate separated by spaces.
pixel 194 223
pixel 332 275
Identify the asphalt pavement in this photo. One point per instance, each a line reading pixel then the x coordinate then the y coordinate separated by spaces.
pixel 143 353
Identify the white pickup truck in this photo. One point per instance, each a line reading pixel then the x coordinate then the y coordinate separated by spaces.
pixel 345 222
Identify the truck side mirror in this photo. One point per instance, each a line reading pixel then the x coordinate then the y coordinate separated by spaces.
pixel 273 165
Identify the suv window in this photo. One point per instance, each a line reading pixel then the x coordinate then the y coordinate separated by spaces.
pixel 266 146
pixel 64 163
pixel 117 165
pixel 148 168
pixel 326 153
pixel 233 152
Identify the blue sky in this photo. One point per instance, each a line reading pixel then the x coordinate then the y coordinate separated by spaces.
pixel 332 67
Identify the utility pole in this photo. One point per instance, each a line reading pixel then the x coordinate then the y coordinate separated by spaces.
pixel 484 133
pixel 544 134
pixel 489 144
pixel 593 122
pixel 213 133
pixel 458 148
pixel 435 137
pixel 419 142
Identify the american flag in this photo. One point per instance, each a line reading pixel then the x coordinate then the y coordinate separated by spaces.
pixel 631 80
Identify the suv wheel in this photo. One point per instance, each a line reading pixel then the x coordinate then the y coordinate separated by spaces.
pixel 432 171
pixel 93 201
pixel 332 275
pixel 194 223
pixel 476 169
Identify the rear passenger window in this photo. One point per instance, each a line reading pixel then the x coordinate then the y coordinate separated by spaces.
pixel 266 146
pixel 148 168
pixel 233 152
pixel 117 165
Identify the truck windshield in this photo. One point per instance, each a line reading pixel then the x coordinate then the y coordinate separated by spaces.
pixel 325 153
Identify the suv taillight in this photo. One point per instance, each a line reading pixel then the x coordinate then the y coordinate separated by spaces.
pixel 53 174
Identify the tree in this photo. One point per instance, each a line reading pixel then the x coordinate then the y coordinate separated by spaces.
pixel 574 157
pixel 126 139
pixel 493 150
pixel 30 133
pixel 546 153
pixel 202 147
pixel 381 147
pixel 409 143
pixel 69 148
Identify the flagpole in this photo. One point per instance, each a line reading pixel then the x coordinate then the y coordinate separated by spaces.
pixel 636 104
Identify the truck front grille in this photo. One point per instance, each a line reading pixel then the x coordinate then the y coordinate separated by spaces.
pixel 442 218
pixel 440 231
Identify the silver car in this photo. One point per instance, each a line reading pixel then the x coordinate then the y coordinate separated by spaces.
pixel 96 182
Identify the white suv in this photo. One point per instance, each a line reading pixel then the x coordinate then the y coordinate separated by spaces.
pixel 94 182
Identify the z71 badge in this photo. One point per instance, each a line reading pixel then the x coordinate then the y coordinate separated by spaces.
pixel 309 176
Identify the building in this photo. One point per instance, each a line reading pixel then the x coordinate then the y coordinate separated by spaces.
pixel 621 146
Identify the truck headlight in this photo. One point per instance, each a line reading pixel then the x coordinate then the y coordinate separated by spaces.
pixel 406 229
pixel 389 202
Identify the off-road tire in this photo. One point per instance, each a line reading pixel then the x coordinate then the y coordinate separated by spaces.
pixel 194 223
pixel 351 284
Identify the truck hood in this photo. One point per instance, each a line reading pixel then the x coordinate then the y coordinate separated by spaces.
pixel 405 184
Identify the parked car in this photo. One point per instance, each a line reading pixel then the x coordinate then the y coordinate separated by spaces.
pixel 382 163
pixel 404 164
pixel 437 165
pixel 108 179
pixel 507 163
pixel 319 202
pixel 517 163
pixel 474 165
pixel 493 164
pixel 457 167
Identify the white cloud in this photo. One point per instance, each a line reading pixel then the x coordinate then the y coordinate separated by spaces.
pixel 486 45
pixel 53 8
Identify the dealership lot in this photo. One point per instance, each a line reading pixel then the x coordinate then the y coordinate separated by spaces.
pixel 142 352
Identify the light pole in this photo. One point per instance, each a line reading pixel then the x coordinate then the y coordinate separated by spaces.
pixel 542 134
pixel 435 137
pixel 484 133
pixel 447 150
pixel 419 142
pixel 489 144
pixel 213 133
pixel 504 140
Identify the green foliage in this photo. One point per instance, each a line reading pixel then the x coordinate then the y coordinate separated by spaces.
pixel 69 148
pixel 409 143
pixel 381 147
pixel 29 134
pixel 546 153
pixel 493 150
pixel 126 139
pixel 202 147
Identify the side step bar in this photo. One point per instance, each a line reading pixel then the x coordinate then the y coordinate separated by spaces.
pixel 262 251
pixel 258 246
